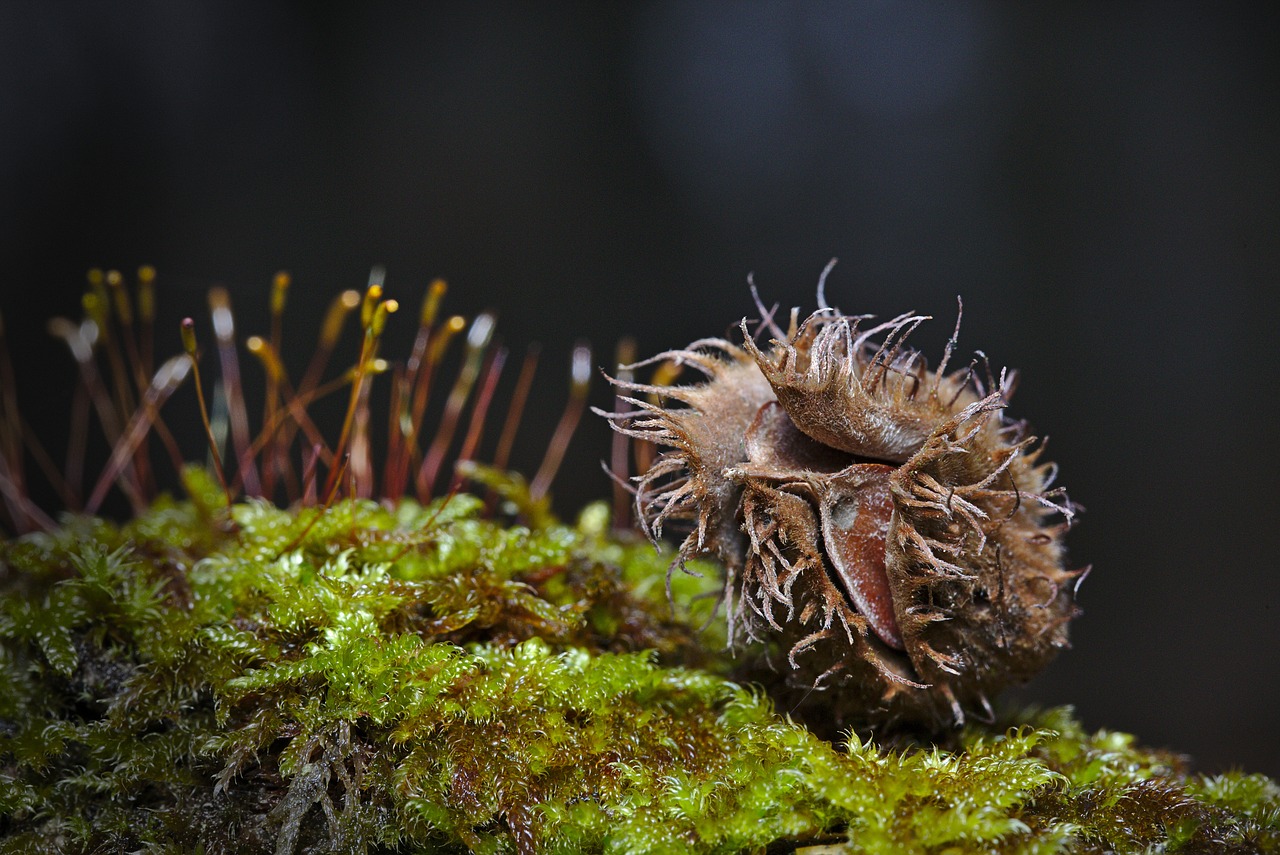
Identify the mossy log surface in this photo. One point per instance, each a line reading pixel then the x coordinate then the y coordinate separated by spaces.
pixel 428 679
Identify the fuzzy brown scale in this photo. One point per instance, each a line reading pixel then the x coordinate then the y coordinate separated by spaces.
pixel 888 525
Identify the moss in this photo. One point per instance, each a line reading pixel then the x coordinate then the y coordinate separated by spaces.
pixel 456 674
pixel 362 679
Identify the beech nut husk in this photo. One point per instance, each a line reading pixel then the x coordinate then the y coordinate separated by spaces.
pixel 886 526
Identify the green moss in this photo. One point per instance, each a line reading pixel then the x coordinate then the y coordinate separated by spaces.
pixel 427 679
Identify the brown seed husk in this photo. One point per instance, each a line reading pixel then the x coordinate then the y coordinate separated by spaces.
pixel 889 527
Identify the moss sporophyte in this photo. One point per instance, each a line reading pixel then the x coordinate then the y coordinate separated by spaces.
pixel 368 645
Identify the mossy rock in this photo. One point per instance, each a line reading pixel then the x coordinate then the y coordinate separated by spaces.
pixel 431 679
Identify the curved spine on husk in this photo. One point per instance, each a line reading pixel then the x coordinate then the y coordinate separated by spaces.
pixel 886 524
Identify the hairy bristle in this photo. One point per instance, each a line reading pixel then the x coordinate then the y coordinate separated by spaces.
pixel 886 525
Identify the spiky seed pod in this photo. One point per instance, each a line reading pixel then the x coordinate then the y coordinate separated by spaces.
pixel 889 525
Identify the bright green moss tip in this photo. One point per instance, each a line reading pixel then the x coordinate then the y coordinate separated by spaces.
pixel 426 679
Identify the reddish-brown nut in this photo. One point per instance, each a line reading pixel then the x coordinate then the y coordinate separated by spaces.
pixel 886 523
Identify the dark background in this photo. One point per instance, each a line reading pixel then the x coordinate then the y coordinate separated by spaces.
pixel 1100 183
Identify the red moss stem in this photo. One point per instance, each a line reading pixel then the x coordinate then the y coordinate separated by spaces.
pixel 515 411
pixel 166 381
pixel 50 469
pixel 491 373
pixel 341 448
pixel 424 374
pixel 478 338
pixel 224 332
pixel 274 458
pixel 189 344
pixel 330 331
pixel 80 340
pixel 580 383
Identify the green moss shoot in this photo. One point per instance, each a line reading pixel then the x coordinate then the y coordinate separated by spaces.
pixel 426 679
pixel 432 673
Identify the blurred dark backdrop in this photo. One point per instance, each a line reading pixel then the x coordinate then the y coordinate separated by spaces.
pixel 1099 181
